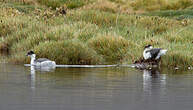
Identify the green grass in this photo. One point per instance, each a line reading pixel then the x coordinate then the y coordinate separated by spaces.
pixel 113 49
pixel 69 3
pixel 171 13
pixel 95 32
pixel 152 5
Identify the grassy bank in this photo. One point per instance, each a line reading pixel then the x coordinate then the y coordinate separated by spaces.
pixel 96 32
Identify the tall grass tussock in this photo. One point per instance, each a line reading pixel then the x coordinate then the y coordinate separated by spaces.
pixel 96 31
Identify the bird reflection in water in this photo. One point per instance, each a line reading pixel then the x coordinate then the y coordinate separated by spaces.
pixel 33 70
pixel 153 82
pixel 32 76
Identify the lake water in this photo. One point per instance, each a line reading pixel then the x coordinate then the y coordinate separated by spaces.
pixel 94 89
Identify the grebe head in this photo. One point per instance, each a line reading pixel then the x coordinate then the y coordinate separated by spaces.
pixel 31 54
pixel 148 47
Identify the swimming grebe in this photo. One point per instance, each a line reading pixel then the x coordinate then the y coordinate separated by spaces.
pixel 41 62
pixel 153 53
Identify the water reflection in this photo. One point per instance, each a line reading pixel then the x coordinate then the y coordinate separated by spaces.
pixel 93 89
pixel 33 70
pixel 154 82
pixel 32 76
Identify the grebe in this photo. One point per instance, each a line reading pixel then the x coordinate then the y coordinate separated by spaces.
pixel 153 53
pixel 41 62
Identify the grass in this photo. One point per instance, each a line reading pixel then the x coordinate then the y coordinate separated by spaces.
pixel 177 14
pixel 113 49
pixel 69 3
pixel 152 5
pixel 95 31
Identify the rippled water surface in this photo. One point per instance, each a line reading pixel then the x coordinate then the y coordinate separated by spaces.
pixel 22 88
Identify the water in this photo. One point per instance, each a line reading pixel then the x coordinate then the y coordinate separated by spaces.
pixel 25 88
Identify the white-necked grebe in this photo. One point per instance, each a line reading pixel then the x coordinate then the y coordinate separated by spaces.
pixel 153 53
pixel 41 62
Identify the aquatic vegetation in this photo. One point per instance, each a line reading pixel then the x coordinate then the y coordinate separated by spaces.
pixel 68 52
pixel 113 49
pixel 95 31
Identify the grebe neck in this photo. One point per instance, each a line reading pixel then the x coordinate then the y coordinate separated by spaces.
pixel 33 58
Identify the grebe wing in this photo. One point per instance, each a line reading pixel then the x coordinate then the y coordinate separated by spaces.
pixel 42 60
pixel 154 52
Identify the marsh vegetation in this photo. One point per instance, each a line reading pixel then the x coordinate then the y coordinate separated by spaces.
pixel 96 31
